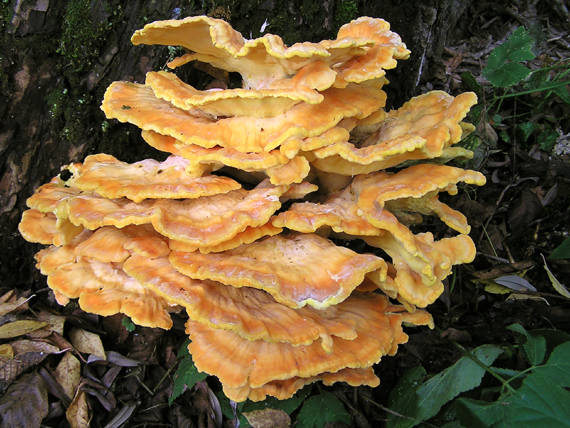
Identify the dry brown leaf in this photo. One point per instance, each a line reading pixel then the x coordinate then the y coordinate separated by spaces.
pixel 6 351
pixel 268 418
pixel 25 346
pixel 25 403
pixel 68 373
pixel 56 322
pixel 87 342
pixel 11 368
pixel 19 328
pixel 77 413
pixel 9 306
pixel 7 296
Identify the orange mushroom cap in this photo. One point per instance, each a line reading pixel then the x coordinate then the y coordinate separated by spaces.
pixel 45 228
pixel 111 178
pixel 287 267
pixel 417 277
pixel 205 221
pixel 264 60
pixel 423 128
pixel 102 287
pixel 265 102
pixel 249 235
pixel 284 389
pixel 238 362
pixel 252 314
pixel 137 104
pixel 413 182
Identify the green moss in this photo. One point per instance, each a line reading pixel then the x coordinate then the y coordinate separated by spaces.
pixel 83 36
pixel 56 101
pixel 345 11
pixel 5 13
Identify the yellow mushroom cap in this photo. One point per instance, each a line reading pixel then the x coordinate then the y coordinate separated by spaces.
pixel 290 268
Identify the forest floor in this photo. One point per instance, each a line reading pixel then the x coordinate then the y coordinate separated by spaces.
pixel 521 144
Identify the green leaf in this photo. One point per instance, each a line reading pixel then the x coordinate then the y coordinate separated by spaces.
pixel 547 139
pixel 288 406
pixel 321 409
pixel 518 47
pixel 558 286
pixel 526 129
pixel 553 337
pixel 128 324
pixel 507 75
pixel 541 401
pixel 183 350
pixel 426 400
pixel 479 414
pixel 470 83
pixel 534 347
pixel 228 411
pixel 497 119
pixel 187 375
pixel 562 251
pixel 557 368
pixel 564 93
pixel 503 68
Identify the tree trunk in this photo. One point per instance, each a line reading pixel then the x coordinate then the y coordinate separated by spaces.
pixel 57 58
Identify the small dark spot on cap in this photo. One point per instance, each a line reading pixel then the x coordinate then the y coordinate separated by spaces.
pixel 126 107
pixel 65 174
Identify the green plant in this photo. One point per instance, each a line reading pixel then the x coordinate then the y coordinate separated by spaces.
pixel 128 324
pixel 532 397
pixel 511 78
pixel 562 251
pixel 310 415
pixel 187 375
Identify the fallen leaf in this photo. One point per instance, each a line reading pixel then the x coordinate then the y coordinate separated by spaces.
pixel 19 328
pixel 87 342
pixel 558 286
pixel 56 322
pixel 6 351
pixel 24 346
pixel 503 269
pixel 268 418
pixel 25 403
pixel 497 289
pixel 121 360
pixel 77 413
pixel 11 368
pixel 122 416
pixel 7 296
pixel 7 307
pixel 53 387
pixel 68 373
pixel 523 211
pixel 40 333
pixel 515 282
pixel 518 296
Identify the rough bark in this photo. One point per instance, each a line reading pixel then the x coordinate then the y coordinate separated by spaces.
pixel 57 58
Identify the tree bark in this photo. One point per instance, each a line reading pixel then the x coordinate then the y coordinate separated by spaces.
pixel 57 59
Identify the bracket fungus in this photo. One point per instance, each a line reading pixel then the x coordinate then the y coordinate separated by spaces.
pixel 276 294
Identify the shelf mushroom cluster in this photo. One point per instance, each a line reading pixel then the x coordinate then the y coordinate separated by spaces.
pixel 243 225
